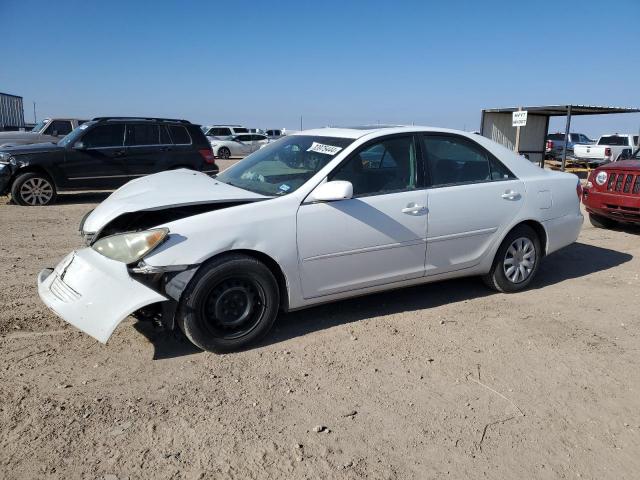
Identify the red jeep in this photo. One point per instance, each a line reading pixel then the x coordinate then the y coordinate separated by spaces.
pixel 612 194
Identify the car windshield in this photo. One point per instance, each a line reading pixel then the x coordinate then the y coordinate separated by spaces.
pixel 39 126
pixel 284 166
pixel 71 137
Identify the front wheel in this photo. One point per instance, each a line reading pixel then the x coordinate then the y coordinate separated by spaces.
pixel 230 304
pixel 224 153
pixel 33 189
pixel 516 261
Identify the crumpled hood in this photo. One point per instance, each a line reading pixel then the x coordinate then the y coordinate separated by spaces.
pixel 165 190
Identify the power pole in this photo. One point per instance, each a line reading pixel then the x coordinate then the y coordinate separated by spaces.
pixel 34 113
pixel 300 122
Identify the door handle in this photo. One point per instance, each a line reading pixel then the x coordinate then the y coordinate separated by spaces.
pixel 414 209
pixel 511 195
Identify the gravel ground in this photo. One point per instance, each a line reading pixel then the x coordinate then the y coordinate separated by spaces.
pixel 447 380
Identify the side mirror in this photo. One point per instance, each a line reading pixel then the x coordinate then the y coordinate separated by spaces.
pixel 79 146
pixel 332 191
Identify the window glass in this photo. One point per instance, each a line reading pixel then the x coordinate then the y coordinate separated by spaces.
pixel 244 138
pixel 556 136
pixel 257 138
pixel 179 135
pixel 104 136
pixel 61 127
pixel 387 166
pixel 282 167
pixel 613 140
pixel 220 132
pixel 164 135
pixel 143 134
pixel 635 139
pixel 240 130
pixel 455 160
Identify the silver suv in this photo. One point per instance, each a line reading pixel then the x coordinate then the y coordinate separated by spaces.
pixel 47 130
pixel 223 132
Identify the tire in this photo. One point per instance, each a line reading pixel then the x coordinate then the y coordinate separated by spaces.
pixel 521 250
pixel 601 222
pixel 230 304
pixel 224 153
pixel 33 189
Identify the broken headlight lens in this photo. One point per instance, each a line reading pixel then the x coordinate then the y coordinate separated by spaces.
pixel 130 247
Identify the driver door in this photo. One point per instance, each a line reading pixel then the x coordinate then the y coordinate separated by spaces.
pixel 375 238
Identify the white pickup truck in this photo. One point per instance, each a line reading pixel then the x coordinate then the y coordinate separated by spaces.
pixel 608 148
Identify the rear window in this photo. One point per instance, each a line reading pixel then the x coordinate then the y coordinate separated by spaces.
pixel 556 136
pixel 179 135
pixel 613 140
pixel 241 130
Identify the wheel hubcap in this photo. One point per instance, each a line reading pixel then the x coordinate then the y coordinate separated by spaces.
pixel 36 191
pixel 233 307
pixel 519 260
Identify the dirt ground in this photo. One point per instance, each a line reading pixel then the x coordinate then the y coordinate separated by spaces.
pixel 447 380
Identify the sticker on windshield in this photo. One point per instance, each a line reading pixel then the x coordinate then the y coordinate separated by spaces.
pixel 284 187
pixel 322 148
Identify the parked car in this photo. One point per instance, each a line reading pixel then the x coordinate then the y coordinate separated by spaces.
pixel 555 144
pixel 275 133
pixel 47 130
pixel 102 154
pixel 238 145
pixel 223 132
pixel 612 193
pixel 307 220
pixel 610 148
pixel 256 130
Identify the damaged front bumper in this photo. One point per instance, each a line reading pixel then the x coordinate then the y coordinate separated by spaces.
pixel 93 292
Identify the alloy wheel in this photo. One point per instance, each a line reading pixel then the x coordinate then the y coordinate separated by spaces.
pixel 36 191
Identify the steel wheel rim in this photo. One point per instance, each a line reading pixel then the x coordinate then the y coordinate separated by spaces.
pixel 36 191
pixel 233 307
pixel 519 260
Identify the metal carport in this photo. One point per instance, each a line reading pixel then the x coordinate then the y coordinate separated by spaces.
pixel 496 125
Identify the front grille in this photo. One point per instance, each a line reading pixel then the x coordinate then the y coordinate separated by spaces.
pixel 624 183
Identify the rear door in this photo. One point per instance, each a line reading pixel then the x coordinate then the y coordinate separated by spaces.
pixel 473 198
pixel 243 144
pixel 147 144
pixel 97 159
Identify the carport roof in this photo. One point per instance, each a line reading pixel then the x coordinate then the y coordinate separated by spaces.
pixel 562 110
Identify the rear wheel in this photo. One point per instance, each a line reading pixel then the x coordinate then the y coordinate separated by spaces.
pixel 516 261
pixel 601 222
pixel 33 189
pixel 230 304
pixel 224 153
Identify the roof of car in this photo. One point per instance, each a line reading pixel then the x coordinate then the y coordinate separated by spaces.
pixel 373 131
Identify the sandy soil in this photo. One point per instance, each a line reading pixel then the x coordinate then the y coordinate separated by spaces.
pixel 447 380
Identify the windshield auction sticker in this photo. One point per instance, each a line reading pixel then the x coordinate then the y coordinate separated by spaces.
pixel 322 148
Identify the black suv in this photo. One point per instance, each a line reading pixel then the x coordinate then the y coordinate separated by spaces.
pixel 102 154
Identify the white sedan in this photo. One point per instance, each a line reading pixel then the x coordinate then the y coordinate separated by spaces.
pixel 239 145
pixel 317 216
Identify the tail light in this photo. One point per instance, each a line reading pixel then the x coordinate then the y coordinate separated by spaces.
pixel 607 152
pixel 207 154
pixel 549 144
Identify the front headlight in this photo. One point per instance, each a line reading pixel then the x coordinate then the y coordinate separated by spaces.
pixel 130 247
pixel 5 157
pixel 601 178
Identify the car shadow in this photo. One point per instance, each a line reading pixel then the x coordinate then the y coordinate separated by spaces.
pixel 71 198
pixel 576 260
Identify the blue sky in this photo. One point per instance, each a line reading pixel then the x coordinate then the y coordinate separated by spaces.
pixel 266 63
